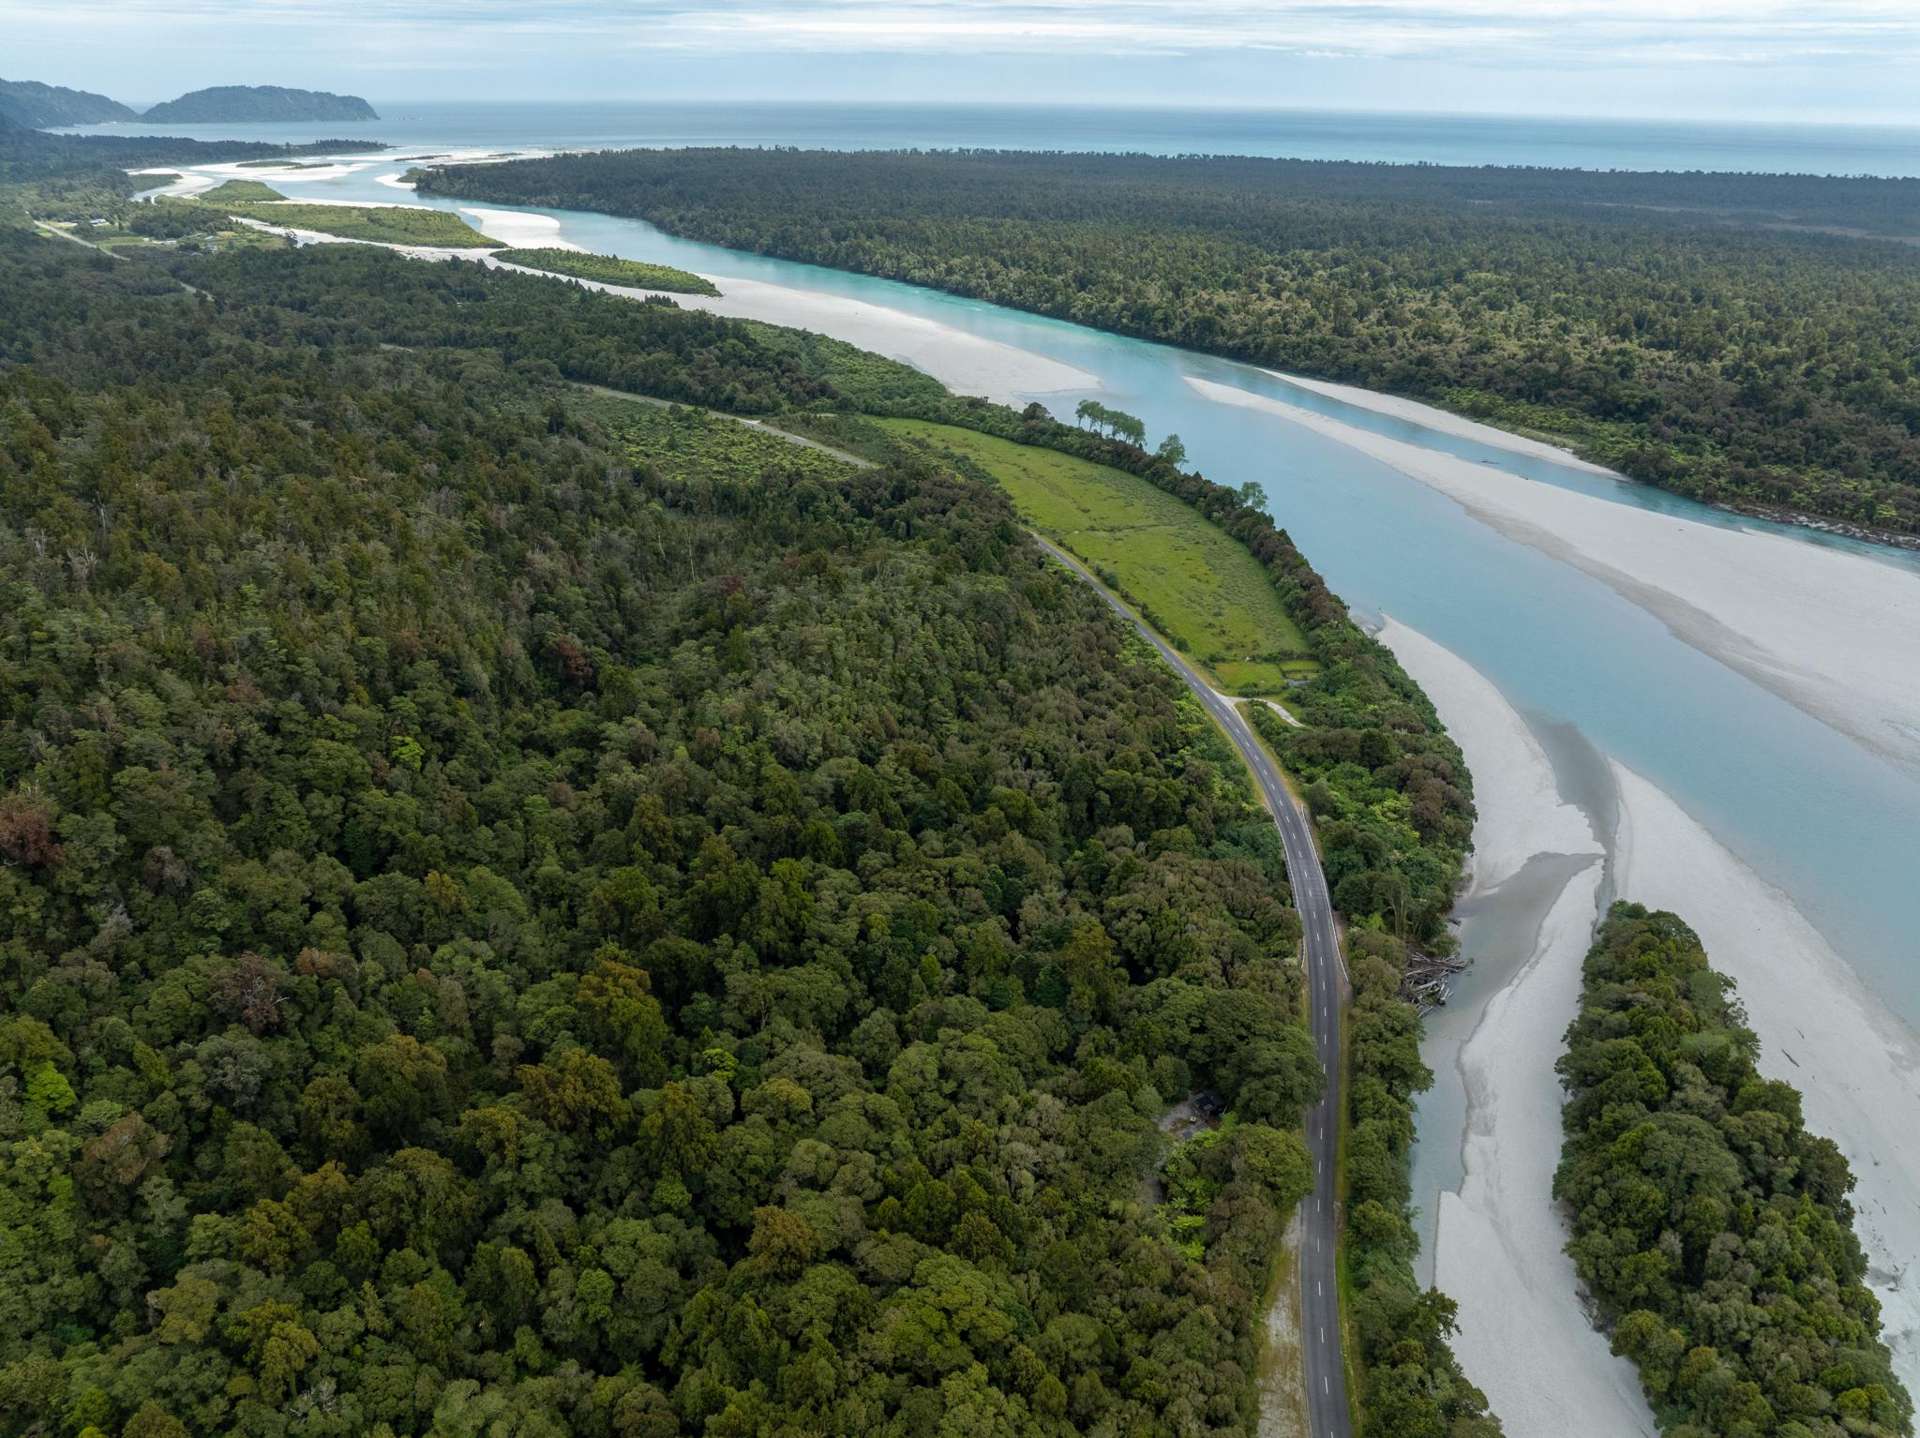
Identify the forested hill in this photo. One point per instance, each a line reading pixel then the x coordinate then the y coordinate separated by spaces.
pixel 1739 338
pixel 227 103
pixel 33 105
pixel 521 912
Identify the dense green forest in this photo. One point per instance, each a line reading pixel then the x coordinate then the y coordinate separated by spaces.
pixel 1392 802
pixel 519 921
pixel 31 104
pixel 495 707
pixel 1714 1230
pixel 609 269
pixel 1730 337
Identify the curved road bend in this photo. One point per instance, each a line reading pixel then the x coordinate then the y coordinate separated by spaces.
pixel 1325 1374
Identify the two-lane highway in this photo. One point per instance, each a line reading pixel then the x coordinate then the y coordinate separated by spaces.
pixel 1325 1374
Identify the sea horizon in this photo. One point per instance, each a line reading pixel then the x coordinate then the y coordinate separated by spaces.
pixel 1834 148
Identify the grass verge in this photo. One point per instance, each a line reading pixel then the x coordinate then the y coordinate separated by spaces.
pixel 1191 580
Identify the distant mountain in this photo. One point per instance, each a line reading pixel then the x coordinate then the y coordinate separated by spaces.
pixel 43 107
pixel 258 102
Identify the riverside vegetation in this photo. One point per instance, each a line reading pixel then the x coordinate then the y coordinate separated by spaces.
pixel 1743 339
pixel 1195 584
pixel 514 915
pixel 609 269
pixel 79 178
pixel 1714 1230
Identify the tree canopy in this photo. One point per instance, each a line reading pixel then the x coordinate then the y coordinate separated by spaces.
pixel 522 912
pixel 1744 339
pixel 1713 1228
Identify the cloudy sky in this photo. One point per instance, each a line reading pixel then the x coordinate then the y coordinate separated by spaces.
pixel 1760 59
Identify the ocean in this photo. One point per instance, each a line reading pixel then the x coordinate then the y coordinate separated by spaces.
pixel 1406 138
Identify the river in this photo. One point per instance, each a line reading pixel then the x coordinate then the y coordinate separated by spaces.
pixel 1797 759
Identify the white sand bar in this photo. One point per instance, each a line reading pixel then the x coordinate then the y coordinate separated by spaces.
pixel 966 363
pixel 1833 632
pixel 1441 420
pixel 1858 1068
pixel 1519 809
pixel 520 228
pixel 1500 1245
pixel 1524 1337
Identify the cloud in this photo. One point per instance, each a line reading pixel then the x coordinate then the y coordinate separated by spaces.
pixel 1740 32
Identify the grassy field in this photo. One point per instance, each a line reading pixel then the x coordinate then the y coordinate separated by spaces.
pixel 1190 579
pixel 241 192
pixel 690 445
pixel 610 270
pixel 383 224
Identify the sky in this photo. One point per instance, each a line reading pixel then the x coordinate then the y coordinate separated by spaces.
pixel 1814 60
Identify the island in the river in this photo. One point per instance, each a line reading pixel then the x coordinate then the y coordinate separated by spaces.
pixel 221 104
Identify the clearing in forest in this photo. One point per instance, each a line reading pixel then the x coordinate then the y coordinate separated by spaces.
pixel 689 445
pixel 1190 579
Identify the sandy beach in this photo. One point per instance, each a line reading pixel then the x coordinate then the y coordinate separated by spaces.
pixel 1834 632
pixel 1500 1242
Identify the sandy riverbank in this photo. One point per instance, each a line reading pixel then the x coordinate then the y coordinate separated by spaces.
pixel 1442 421
pixel 965 363
pixel 1499 1251
pixel 1498 1238
pixel 1834 632
pixel 520 229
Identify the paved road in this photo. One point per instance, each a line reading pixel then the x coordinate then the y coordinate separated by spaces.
pixel 1325 1374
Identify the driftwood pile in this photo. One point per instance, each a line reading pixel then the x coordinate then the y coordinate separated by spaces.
pixel 1428 981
